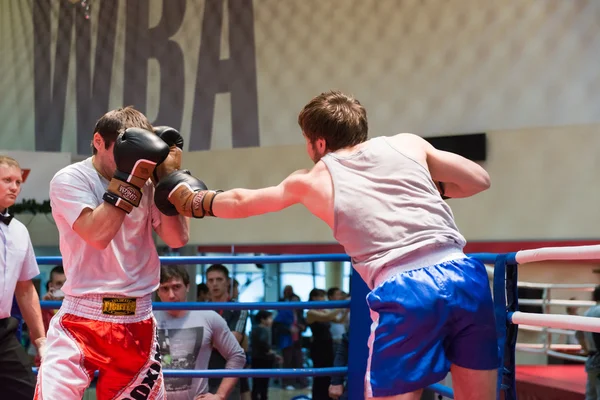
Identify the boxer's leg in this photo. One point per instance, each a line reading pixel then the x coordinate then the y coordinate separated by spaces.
pixel 65 372
pixel 135 369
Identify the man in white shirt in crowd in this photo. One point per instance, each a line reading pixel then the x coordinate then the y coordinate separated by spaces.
pixel 18 267
pixel 106 216
pixel 187 338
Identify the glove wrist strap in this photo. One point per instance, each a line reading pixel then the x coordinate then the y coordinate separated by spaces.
pixel 207 201
pixel 118 202
pixel 203 202
pixel 125 191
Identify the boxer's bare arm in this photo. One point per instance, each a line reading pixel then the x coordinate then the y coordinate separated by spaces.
pixel 461 176
pixel 99 226
pixel 244 203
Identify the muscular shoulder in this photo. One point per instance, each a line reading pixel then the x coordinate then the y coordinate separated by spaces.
pixel 409 139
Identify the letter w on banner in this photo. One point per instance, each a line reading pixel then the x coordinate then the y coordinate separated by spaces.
pixel 38 170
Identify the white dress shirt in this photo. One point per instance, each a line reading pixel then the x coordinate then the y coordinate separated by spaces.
pixel 17 262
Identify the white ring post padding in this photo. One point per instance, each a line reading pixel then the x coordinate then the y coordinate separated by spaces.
pixel 557 347
pixel 573 322
pixel 558 253
pixel 549 330
pixel 568 303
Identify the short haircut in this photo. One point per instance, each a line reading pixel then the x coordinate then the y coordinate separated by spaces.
pixel 56 270
pixel 596 295
pixel 168 272
pixel 218 268
pixel 316 293
pixel 202 288
pixel 115 122
pixel 337 118
pixel 262 315
pixel 11 162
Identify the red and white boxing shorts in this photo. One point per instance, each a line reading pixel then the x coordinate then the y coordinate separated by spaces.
pixel 114 335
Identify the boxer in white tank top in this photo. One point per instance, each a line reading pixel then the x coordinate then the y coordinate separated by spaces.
pixel 112 267
pixel 384 201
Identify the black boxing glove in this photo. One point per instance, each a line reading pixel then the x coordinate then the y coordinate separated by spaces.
pixel 181 193
pixel 137 152
pixel 173 162
pixel 169 135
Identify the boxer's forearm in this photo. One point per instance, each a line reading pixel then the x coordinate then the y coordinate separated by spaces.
pixel 99 226
pixel 174 231
pixel 29 304
pixel 244 203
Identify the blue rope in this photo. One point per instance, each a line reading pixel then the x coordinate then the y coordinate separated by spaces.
pixel 487 258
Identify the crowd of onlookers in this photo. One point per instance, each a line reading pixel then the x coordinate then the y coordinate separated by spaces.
pixel 222 339
pixel 287 338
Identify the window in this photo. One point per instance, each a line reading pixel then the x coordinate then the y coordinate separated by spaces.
pixel 251 288
pixel 302 284
pixel 347 271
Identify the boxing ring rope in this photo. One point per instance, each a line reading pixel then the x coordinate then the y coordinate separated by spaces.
pixel 506 302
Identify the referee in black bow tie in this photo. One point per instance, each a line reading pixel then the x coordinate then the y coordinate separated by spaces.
pixel 17 267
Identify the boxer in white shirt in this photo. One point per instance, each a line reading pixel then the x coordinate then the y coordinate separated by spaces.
pixel 105 215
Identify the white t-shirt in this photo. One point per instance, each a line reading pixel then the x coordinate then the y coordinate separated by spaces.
pixel 187 343
pixel 129 265
pixel 17 262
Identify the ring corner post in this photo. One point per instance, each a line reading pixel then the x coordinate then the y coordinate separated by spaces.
pixel 499 292
pixel 512 330
pixel 360 323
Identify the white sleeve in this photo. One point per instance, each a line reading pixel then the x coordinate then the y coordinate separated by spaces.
pixel 29 269
pixel 70 194
pixel 226 344
pixel 155 215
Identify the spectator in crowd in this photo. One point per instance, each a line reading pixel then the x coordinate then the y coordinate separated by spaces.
pixel 19 266
pixel 591 346
pixel 321 348
pixel 234 293
pixel 54 292
pixel 263 356
pixel 287 328
pixel 337 328
pixel 188 338
pixel 218 281
pixel 202 293
pixel 337 389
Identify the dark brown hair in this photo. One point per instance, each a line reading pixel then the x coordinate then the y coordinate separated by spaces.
pixel 168 272
pixel 339 119
pixel 114 122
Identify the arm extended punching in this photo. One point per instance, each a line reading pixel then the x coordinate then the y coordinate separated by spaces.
pixel 191 197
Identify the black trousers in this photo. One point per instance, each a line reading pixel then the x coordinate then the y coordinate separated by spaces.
pixel 322 355
pixel 260 386
pixel 17 381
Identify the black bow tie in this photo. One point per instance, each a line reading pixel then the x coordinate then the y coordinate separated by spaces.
pixel 6 218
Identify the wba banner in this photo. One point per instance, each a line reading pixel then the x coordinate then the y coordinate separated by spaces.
pixel 38 169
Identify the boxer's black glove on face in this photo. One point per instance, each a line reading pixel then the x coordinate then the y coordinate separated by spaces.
pixel 137 152
pixel 173 162
pixel 181 193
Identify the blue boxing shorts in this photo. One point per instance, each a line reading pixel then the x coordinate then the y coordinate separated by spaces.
pixel 426 319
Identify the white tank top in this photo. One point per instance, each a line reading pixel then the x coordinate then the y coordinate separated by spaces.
pixel 129 265
pixel 387 209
